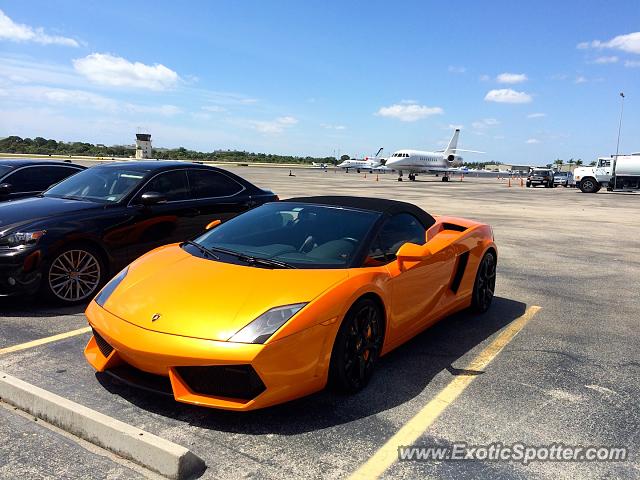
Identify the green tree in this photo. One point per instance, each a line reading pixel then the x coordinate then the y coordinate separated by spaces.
pixel 578 162
pixel 345 157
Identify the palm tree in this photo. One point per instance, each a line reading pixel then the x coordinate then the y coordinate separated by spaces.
pixel 571 161
pixel 578 162
pixel 592 164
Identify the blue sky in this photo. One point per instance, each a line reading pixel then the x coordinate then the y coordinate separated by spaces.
pixel 527 83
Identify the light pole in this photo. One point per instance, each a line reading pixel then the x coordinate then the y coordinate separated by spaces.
pixel 620 124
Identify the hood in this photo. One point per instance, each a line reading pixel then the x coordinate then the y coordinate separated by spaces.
pixel 32 210
pixel 202 298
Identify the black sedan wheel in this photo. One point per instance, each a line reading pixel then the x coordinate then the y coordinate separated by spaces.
pixel 74 275
pixel 357 347
pixel 485 284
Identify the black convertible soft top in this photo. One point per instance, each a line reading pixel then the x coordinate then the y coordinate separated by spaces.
pixel 381 205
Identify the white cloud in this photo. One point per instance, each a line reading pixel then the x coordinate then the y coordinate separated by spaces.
pixel 329 126
pixel 106 69
pixel 536 115
pixel 606 59
pixel 74 98
pixel 214 108
pixel 228 98
pixel 18 32
pixel 511 78
pixel 408 112
pixel 485 123
pixel 274 126
pixel 507 95
pixel 632 63
pixel 629 43
pixel 456 69
pixel 484 78
pixel 532 141
pixel 580 79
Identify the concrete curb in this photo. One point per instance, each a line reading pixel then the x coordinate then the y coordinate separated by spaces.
pixel 150 451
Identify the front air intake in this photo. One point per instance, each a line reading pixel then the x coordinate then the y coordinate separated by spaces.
pixel 103 346
pixel 233 381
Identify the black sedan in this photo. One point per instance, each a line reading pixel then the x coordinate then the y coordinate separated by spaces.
pixel 70 239
pixel 24 177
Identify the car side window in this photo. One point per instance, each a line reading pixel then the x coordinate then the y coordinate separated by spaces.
pixel 172 185
pixel 37 178
pixel 211 184
pixel 395 232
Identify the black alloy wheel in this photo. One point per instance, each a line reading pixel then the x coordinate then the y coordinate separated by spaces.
pixel 357 347
pixel 485 284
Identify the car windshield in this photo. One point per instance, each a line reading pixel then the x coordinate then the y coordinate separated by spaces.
pixel 561 174
pixel 541 172
pixel 292 234
pixel 4 169
pixel 98 184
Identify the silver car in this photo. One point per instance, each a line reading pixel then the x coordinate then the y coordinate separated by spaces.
pixel 563 178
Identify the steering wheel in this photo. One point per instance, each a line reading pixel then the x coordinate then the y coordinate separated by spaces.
pixel 306 244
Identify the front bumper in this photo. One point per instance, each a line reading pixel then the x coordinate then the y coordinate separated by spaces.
pixel 20 271
pixel 205 372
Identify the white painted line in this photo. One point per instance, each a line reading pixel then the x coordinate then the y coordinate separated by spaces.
pixel 150 451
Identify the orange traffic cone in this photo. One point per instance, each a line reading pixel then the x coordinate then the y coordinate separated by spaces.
pixel 509 185
pixel 521 182
pixel 377 177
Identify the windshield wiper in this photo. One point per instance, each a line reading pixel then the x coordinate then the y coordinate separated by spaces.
pixel 203 249
pixel 253 260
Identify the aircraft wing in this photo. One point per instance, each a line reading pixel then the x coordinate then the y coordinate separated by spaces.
pixel 463 150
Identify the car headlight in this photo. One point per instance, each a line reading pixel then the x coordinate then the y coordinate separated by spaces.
pixel 259 330
pixel 109 288
pixel 22 239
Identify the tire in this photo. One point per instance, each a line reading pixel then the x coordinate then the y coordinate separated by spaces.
pixel 528 184
pixel 74 275
pixel 357 347
pixel 589 185
pixel 485 284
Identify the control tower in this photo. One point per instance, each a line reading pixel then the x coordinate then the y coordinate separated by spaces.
pixel 143 145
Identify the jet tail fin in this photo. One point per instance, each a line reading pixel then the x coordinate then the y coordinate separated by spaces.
pixel 376 155
pixel 453 143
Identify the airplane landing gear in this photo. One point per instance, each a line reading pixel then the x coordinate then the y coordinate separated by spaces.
pixel 445 178
pixel 412 177
pixel 400 176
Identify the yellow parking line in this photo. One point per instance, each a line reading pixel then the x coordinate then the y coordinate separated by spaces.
pixel 414 428
pixel 43 341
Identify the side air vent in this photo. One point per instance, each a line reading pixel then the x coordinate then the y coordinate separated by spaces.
pixel 454 227
pixel 463 259
pixel 103 346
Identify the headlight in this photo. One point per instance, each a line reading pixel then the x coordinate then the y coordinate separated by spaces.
pixel 266 324
pixel 108 289
pixel 22 239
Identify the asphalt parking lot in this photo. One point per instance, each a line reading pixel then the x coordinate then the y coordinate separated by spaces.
pixel 571 375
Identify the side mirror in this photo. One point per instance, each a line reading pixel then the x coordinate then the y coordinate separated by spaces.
pixel 213 224
pixel 411 252
pixel 152 198
pixel 5 189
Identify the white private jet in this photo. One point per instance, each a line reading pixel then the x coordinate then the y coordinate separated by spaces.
pixel 417 161
pixel 371 164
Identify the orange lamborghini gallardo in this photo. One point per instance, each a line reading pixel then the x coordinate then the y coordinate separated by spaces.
pixel 287 298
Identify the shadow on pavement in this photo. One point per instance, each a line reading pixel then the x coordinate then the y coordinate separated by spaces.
pixel 401 375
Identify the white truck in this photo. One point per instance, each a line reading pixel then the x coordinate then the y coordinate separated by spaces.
pixel 614 173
